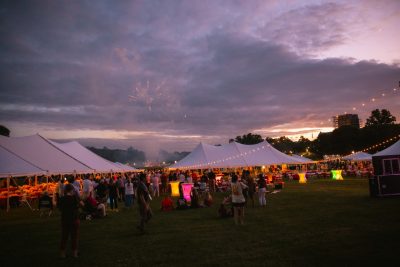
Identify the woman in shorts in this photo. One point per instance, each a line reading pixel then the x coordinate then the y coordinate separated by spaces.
pixel 238 199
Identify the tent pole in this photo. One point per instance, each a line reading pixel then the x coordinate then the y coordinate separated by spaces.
pixel 8 193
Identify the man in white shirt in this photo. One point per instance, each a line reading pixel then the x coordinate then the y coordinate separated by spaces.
pixel 87 187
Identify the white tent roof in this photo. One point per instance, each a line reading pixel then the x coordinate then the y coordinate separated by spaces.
pixel 359 156
pixel 263 154
pixel 393 150
pixel 12 165
pixel 233 155
pixel 302 159
pixel 87 157
pixel 39 152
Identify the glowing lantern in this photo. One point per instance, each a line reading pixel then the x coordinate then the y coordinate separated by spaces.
pixel 187 187
pixel 337 175
pixel 302 178
pixel 174 189
pixel 269 178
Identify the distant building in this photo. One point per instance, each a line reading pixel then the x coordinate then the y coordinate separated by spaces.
pixel 346 120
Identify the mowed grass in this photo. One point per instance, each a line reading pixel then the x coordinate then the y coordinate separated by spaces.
pixel 321 223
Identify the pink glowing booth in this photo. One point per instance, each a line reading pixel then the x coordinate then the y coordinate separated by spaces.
pixel 187 188
pixel 174 189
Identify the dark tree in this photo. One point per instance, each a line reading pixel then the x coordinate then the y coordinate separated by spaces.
pixel 130 155
pixel 380 117
pixel 4 131
pixel 248 139
pixel 170 158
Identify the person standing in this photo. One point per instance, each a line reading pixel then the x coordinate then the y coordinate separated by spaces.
pixel 164 183
pixel 121 187
pixel 59 191
pixel 155 184
pixel 211 180
pixel 238 199
pixel 129 193
pixel 262 189
pixel 143 198
pixel 69 207
pixel 113 195
pixel 252 189
pixel 87 188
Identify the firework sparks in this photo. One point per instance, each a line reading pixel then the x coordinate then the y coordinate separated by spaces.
pixel 147 95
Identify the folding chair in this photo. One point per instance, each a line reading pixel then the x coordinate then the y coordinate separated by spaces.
pixel 25 201
pixel 45 205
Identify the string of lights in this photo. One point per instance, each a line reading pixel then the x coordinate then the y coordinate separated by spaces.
pixel 365 104
pixel 211 164
pixel 380 144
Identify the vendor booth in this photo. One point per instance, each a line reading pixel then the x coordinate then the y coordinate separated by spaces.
pixel 386 178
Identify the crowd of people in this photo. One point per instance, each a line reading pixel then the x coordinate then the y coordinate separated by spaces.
pixel 94 196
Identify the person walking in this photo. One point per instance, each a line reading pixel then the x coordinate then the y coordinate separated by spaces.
pixel 69 207
pixel 238 199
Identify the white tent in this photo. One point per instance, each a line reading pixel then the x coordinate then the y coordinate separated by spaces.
pixel 38 151
pixel 87 157
pixel 263 154
pixel 393 150
pixel 302 159
pixel 12 165
pixel 233 155
pixel 359 156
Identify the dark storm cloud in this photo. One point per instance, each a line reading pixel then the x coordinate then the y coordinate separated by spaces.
pixel 224 68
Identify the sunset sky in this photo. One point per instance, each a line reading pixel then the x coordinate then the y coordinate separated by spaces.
pixel 169 74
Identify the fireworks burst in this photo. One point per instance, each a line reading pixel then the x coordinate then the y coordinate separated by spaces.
pixel 148 95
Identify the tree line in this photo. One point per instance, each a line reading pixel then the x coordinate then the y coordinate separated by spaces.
pixel 379 127
pixel 129 156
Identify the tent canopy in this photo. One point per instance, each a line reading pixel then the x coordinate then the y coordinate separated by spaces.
pixel 359 156
pixel 40 152
pixel 12 165
pixel 393 150
pixel 233 155
pixel 87 157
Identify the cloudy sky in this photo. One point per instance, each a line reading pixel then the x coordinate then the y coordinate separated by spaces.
pixel 168 74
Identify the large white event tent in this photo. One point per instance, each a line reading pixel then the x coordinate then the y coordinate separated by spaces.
pixel 87 157
pixel 359 156
pixel 13 166
pixel 233 155
pixel 39 152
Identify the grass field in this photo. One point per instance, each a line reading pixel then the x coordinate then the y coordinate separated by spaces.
pixel 322 223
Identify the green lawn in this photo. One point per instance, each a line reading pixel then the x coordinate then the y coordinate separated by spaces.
pixel 321 223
